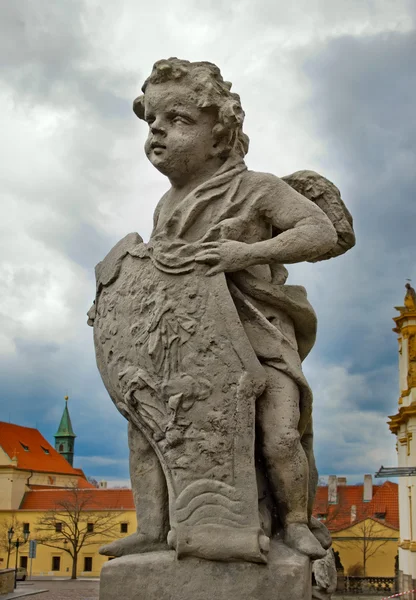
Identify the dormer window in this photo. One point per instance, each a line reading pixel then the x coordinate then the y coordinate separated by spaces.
pixel 46 451
pixel 380 515
pixel 25 448
pixel 321 516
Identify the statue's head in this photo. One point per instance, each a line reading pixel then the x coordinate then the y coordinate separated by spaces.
pixel 189 105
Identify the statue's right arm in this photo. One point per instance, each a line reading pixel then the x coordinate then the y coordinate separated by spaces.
pixel 305 231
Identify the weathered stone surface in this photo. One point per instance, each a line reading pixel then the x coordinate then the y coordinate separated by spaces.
pixel 325 575
pixel 200 341
pixel 161 576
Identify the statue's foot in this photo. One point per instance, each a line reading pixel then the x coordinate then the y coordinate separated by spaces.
pixel 321 533
pixel 299 537
pixel 132 544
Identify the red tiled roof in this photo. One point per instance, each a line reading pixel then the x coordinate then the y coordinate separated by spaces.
pixel 338 516
pixel 39 455
pixel 84 483
pixel 91 499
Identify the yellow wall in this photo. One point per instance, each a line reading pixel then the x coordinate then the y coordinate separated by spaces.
pixel 42 564
pixel 350 547
pixel 4 458
pixel 13 484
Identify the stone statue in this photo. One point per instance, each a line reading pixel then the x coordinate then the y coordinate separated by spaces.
pixel 200 341
pixel 325 576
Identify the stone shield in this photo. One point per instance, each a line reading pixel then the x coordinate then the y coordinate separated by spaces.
pixel 175 360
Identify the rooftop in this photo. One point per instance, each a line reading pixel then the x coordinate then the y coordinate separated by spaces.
pixel 91 499
pixel 32 451
pixel 65 426
pixel 385 501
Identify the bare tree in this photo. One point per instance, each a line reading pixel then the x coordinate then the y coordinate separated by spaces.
pixel 93 481
pixel 366 537
pixel 11 522
pixel 74 523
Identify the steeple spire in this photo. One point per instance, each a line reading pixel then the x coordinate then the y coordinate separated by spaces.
pixel 65 436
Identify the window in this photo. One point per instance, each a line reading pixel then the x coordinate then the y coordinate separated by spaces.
pixel 23 562
pixel 26 527
pixel 56 563
pixel 321 516
pixel 61 447
pixel 380 515
pixel 46 451
pixel 124 527
pixel 88 563
pixel 90 527
pixel 25 448
pixel 58 527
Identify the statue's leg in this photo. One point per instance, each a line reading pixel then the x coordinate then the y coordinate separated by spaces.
pixel 150 499
pixel 286 460
pixel 317 527
pixel 307 445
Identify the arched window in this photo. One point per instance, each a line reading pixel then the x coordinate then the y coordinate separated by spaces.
pixel 61 447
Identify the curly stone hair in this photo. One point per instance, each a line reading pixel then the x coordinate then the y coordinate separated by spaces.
pixel 211 91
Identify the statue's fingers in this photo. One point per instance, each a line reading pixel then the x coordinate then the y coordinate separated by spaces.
pixel 207 257
pixel 209 245
pixel 214 271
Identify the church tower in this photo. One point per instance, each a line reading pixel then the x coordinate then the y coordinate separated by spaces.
pixel 403 425
pixel 65 436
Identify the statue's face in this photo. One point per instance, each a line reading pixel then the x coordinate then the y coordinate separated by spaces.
pixel 180 141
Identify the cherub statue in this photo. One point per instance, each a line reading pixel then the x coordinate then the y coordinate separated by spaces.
pixel 227 228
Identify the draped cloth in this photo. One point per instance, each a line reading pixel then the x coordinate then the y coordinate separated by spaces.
pixel 279 322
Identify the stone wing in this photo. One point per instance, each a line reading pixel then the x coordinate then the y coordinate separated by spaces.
pixel 327 196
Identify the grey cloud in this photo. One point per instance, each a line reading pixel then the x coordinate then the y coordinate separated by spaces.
pixel 95 185
pixel 362 110
pixel 48 54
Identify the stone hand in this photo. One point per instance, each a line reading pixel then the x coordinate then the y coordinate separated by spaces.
pixel 225 256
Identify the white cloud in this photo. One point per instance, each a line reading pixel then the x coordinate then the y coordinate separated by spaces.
pixel 349 438
pixel 74 180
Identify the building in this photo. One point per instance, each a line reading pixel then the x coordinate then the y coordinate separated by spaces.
pixel 28 460
pixel 65 436
pixel 364 523
pixel 40 492
pixel 403 425
pixel 107 514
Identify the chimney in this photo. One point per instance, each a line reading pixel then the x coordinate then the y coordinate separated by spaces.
pixel 342 481
pixel 368 488
pixel 332 489
pixel 353 513
pixel 102 485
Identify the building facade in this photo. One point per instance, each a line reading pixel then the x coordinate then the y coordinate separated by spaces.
pixel 403 425
pixel 41 492
pixel 49 513
pixel 364 523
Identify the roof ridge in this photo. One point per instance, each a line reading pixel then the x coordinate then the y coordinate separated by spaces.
pixel 16 425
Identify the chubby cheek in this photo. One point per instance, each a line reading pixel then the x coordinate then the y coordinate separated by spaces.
pixel 189 144
pixel 147 146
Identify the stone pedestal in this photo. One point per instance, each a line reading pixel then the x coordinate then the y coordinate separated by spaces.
pixel 160 576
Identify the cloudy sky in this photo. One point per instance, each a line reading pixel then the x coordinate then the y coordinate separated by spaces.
pixel 327 85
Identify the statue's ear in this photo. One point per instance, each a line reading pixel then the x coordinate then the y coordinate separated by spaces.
pixel 222 137
pixel 138 107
